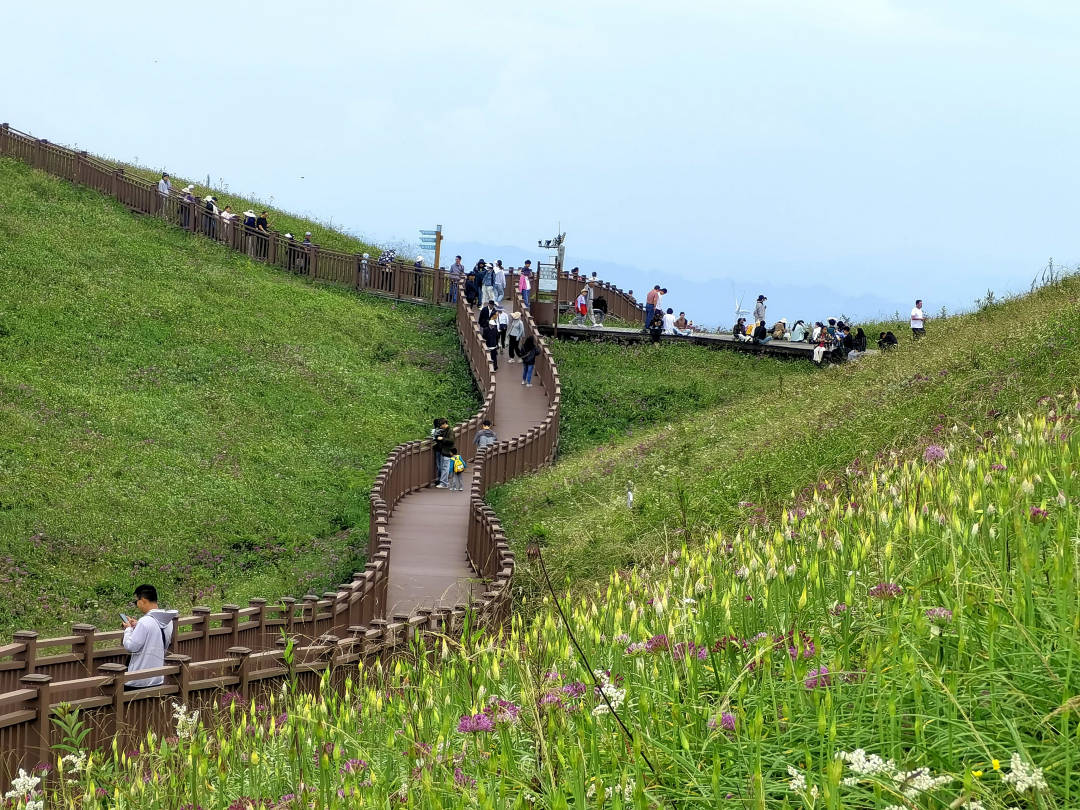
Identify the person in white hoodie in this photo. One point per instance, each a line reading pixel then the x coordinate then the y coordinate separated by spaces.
pixel 148 638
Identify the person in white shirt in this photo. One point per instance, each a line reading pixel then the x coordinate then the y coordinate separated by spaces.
pixel 164 188
pixel 502 320
pixel 148 638
pixel 669 322
pixel 918 320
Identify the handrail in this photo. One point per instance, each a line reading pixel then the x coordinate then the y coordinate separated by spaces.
pixel 335 628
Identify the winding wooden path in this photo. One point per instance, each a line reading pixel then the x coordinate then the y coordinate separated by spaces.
pixel 614 334
pixel 429 527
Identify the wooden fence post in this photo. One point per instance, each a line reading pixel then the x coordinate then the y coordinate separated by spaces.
pixel 183 678
pixel 39 735
pixel 28 656
pixel 87 631
pixel 241 665
pixel 117 687
pixel 233 623
pixel 204 627
pixel 260 633
pixel 116 179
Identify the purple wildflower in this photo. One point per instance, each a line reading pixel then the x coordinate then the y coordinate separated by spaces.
pixel 933 453
pixel 997 467
pixel 839 609
pixel 818 678
pixel 353 766
pixel 463 780
pixel 503 711
pixel 551 699
pixel 656 643
pixel 886 590
pixel 475 723
pixel 1037 515
pixel 727 721
pixel 939 614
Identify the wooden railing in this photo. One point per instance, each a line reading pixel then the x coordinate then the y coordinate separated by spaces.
pixel 239 652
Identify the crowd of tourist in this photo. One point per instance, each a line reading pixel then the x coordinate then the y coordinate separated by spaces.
pixel 832 338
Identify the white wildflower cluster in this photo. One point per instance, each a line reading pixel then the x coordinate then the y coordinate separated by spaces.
pixel 1023 776
pixel 76 763
pixel 910 784
pixel 798 780
pixel 614 694
pixel 22 791
pixel 187 722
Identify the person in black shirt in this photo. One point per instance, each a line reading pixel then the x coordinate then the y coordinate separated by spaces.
pixel 491 340
pixel 761 334
pixel 262 225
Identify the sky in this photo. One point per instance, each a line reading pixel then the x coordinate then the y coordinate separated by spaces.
pixel 839 156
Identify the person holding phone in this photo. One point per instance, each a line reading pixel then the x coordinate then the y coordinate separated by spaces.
pixel 148 638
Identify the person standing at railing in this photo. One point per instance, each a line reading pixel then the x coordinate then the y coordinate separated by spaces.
pixel 418 276
pixel 227 217
pixel 525 282
pixel 262 225
pixel 446 450
pixel 210 213
pixel 307 246
pixel 164 189
pixel 187 202
pixel 365 270
pixel 249 229
pixel 148 638
pixel 457 270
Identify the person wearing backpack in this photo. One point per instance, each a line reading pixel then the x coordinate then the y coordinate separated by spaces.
pixel 148 638
pixel 528 354
pixel 445 447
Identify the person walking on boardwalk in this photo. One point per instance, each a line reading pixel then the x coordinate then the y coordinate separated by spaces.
pixel 164 190
pixel 502 320
pixel 446 449
pixel 529 351
pixel 499 281
pixel 486 276
pixel 759 308
pixel 918 320
pixel 515 333
pixel 525 282
pixel 491 341
pixel 148 638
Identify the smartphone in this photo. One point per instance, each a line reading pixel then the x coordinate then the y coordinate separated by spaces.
pixel 124 618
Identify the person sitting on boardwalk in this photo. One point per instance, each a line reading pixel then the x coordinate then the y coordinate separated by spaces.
pixel 491 341
pixel 798 332
pixel 681 323
pixel 779 330
pixel 739 331
pixel 516 332
pixel 529 351
pixel 446 450
pixel 669 322
pixel 148 638
pixel 656 328
pixel 761 334
pixel 485 437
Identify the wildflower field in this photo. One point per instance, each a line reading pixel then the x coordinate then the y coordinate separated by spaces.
pixel 907 640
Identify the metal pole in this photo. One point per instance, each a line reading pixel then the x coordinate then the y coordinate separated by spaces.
pixel 438 244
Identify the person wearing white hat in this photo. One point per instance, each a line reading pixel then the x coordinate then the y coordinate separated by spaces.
pixel 210 212
pixel 187 203
pixel 306 247
pixel 249 229
pixel 418 270
pixel 363 269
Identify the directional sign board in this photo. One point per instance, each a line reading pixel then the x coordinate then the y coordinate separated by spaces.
pixel 428 233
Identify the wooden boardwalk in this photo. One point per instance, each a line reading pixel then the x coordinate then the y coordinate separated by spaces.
pixel 429 527
pixel 782 348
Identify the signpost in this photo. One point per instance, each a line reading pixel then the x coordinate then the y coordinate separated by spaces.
pixel 432 240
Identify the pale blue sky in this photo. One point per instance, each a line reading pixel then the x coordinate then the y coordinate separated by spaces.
pixel 845 155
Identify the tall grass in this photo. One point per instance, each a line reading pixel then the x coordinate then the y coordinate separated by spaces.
pixel 905 640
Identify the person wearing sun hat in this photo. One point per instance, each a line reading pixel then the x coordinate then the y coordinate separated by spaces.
pixel 187 203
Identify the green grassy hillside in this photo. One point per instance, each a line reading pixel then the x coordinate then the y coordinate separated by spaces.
pixel 172 412
pixel 732 464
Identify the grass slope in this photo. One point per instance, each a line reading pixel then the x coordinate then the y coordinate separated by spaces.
pixel 693 476
pixel 172 412
pixel 908 642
